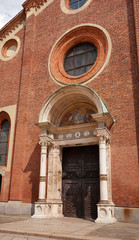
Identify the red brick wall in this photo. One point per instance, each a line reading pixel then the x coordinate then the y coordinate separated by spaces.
pixel 116 86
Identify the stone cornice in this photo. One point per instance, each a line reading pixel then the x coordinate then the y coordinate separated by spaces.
pixel 103 117
pixel 12 25
pixel 28 4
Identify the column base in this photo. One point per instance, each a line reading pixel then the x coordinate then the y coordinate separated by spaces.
pixel 48 209
pixel 105 213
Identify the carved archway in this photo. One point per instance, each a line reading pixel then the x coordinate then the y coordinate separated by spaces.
pixel 73 115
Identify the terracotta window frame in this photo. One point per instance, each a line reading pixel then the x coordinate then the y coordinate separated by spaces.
pixel 81 34
pixel 4 46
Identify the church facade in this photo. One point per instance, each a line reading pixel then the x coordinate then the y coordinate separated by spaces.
pixel 69 110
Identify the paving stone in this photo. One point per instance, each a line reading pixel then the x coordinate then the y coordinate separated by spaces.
pixel 66 228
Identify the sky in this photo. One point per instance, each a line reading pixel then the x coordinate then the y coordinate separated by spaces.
pixel 9 9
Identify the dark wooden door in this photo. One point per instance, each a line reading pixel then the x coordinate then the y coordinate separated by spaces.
pixel 80 181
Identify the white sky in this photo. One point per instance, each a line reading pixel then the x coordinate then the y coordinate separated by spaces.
pixel 9 9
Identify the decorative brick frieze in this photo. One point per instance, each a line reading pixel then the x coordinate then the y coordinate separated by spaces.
pixel 13 25
pixel 33 4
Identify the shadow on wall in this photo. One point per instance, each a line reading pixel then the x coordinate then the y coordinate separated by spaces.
pixel 33 167
pixel 134 64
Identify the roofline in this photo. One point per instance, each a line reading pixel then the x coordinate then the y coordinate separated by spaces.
pixel 12 23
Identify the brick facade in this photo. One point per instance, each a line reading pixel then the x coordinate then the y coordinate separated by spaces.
pixel 26 83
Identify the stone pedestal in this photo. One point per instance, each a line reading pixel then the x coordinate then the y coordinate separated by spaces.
pixel 48 209
pixel 105 213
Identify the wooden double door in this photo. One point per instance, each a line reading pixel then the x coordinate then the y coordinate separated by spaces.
pixel 80 181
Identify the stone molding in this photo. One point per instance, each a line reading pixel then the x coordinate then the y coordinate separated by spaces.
pixel 103 118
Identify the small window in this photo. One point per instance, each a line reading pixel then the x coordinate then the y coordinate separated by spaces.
pixel 4 135
pixel 75 4
pixel 80 59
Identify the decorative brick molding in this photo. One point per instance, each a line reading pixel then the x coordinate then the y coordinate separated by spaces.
pixel 33 3
pixel 12 25
pixel 35 6
pixel 18 21
pixel 82 33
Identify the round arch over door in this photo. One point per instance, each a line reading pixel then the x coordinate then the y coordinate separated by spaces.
pixel 61 99
pixel 73 115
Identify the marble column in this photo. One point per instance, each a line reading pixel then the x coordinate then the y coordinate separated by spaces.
pixel 42 184
pixel 40 205
pixel 103 170
pixel 105 207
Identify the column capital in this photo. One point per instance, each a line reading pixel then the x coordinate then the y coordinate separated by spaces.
pixel 103 134
pixel 45 141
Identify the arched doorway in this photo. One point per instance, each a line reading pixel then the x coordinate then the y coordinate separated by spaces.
pixel 74 116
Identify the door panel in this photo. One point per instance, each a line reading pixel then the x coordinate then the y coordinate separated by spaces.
pixel 72 198
pixel 81 181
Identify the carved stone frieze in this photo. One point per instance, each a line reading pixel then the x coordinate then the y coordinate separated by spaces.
pixel 75 135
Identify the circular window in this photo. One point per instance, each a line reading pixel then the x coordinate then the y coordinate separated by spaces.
pixel 9 49
pixel 80 59
pixel 75 4
pixel 79 55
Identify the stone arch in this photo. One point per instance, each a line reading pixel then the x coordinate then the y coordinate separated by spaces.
pixel 56 105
